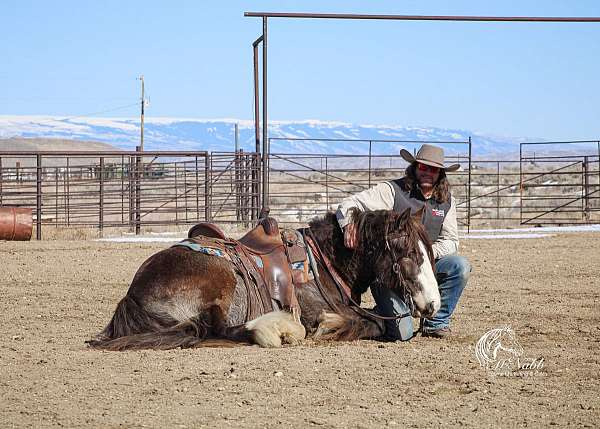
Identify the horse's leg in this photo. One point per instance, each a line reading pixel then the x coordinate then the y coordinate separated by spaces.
pixel 347 326
pixel 340 323
pixel 311 304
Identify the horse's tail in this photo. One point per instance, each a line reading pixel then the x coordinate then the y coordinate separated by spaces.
pixel 338 327
pixel 132 327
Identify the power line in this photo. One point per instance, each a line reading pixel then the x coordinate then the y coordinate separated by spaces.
pixel 87 115
pixel 99 113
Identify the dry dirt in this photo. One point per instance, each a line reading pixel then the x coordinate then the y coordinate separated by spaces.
pixel 56 294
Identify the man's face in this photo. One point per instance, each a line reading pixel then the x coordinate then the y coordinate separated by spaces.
pixel 427 176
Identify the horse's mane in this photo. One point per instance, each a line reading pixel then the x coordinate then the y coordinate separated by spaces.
pixel 373 228
pixel 330 236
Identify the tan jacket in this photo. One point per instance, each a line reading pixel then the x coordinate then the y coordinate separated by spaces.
pixel 381 197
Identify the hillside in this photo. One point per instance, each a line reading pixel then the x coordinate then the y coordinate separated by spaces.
pixel 49 145
pixel 52 144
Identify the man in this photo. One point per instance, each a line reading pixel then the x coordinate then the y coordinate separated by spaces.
pixel 425 184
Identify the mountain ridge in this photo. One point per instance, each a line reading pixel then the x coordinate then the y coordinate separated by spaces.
pixel 217 135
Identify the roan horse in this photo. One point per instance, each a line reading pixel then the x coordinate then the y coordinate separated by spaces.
pixel 182 298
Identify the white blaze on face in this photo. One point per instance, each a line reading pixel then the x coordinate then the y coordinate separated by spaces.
pixel 427 301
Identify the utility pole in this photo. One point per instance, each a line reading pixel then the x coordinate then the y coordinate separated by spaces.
pixel 143 103
pixel 139 166
pixel 236 133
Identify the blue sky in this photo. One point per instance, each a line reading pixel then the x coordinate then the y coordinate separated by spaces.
pixel 77 58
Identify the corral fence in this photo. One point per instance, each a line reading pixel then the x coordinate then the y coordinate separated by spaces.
pixel 135 190
pixel 539 189
pixel 305 185
pixel 130 189
pixel 560 188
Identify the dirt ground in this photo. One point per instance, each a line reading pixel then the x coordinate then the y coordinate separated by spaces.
pixel 56 294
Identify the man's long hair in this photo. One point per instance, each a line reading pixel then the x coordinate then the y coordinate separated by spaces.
pixel 441 189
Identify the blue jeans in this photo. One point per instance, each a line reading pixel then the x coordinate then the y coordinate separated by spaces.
pixel 452 273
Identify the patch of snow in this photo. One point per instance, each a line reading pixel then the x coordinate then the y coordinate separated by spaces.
pixel 505 236
pixel 572 228
pixel 142 239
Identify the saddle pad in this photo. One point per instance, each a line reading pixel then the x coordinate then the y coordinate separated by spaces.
pixel 203 249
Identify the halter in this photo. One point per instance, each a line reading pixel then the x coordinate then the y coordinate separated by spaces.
pixel 406 296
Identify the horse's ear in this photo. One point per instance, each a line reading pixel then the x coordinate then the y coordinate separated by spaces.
pixel 418 216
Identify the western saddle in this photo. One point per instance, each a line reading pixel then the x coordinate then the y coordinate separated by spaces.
pixel 277 256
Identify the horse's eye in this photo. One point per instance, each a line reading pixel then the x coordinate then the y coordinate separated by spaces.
pixel 409 268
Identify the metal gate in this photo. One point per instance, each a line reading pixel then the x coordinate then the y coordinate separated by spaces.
pixel 559 189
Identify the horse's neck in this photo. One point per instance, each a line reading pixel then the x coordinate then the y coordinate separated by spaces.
pixel 339 258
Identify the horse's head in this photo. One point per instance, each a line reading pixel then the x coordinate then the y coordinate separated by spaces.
pixel 399 252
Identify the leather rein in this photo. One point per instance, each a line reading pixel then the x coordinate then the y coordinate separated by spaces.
pixel 343 288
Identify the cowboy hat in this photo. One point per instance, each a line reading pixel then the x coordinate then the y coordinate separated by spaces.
pixel 429 155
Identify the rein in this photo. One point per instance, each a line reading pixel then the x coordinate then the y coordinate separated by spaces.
pixel 343 289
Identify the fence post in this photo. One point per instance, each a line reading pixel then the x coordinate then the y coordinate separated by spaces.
pixel 56 197
pixel 326 185
pixel 586 190
pixel 469 190
pixel 67 187
pixel 38 232
pixel 138 197
pixel 185 190
pixel 197 190
pixel 247 189
pixel 131 178
pixel 176 194
pixel 370 151
pixel 101 208
pixel 236 179
pixel 521 183
pixel 122 189
pixel 1 179
pixel 498 192
pixel 207 187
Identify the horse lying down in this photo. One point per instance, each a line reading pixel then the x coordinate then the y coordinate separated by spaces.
pixel 182 298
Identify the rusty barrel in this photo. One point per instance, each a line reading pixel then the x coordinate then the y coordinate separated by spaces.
pixel 15 223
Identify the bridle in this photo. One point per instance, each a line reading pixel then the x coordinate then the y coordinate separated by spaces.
pixel 406 296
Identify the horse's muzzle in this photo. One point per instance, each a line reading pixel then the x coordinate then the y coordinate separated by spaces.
pixel 429 310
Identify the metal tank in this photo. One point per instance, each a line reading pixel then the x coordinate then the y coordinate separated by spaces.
pixel 15 223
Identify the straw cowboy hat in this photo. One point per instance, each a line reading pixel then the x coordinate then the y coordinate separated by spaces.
pixel 429 155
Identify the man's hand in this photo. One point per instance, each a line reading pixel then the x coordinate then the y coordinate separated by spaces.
pixel 350 236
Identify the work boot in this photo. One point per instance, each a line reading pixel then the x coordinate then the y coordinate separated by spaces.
pixel 437 333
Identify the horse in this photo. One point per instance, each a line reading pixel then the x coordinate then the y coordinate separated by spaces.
pixel 181 298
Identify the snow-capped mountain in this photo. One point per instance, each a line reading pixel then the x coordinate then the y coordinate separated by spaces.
pixel 218 135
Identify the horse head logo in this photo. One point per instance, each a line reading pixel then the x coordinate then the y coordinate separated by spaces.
pixel 495 344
